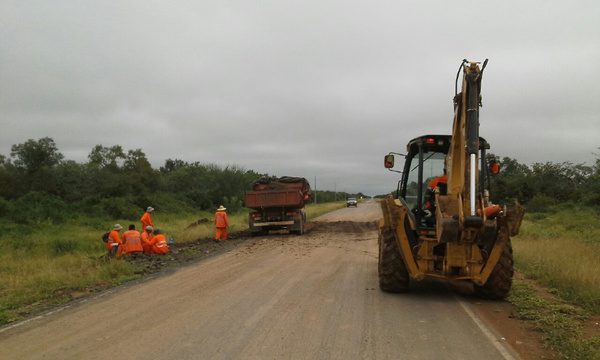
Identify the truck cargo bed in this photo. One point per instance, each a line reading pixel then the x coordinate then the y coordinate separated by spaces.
pixel 291 199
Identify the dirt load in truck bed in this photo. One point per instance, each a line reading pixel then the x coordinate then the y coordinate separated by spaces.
pixel 314 296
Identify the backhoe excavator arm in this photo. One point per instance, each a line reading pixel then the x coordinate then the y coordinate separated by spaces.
pixel 460 206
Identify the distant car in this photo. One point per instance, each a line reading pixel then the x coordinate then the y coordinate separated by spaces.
pixel 351 202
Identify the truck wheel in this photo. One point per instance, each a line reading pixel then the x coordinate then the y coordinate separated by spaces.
pixel 500 281
pixel 393 275
pixel 301 231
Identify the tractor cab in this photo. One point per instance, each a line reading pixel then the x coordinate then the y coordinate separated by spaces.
pixel 425 172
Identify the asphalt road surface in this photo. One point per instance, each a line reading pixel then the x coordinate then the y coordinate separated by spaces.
pixel 314 296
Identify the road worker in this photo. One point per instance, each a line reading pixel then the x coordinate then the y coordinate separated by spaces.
pixel 221 223
pixel 147 218
pixel 158 243
pixel 146 237
pixel 114 240
pixel 441 182
pixel 132 242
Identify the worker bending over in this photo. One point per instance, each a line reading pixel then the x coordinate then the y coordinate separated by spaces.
pixel 158 244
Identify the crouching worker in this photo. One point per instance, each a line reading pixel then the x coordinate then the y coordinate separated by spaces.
pixel 146 237
pixel 158 243
pixel 132 242
pixel 114 240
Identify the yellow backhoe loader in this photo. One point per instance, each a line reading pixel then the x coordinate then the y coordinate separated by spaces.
pixel 442 223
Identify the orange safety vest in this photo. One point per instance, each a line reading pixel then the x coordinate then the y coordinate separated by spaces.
pixel 146 237
pixel 131 241
pixel 159 244
pixel 113 238
pixel 146 221
pixel 440 179
pixel 221 220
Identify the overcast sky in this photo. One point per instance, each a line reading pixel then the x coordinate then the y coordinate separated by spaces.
pixel 318 89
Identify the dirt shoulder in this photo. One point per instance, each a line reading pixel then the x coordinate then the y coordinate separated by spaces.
pixel 529 344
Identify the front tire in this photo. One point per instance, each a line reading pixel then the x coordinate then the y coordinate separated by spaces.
pixel 393 275
pixel 499 283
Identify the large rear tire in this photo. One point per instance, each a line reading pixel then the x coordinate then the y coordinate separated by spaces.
pixel 300 231
pixel 499 283
pixel 393 275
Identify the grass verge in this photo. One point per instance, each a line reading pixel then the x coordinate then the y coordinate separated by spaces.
pixel 560 323
pixel 559 249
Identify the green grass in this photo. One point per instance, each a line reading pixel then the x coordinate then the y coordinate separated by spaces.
pixel 316 210
pixel 559 249
pixel 558 321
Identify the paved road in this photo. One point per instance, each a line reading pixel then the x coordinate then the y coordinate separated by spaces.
pixel 313 296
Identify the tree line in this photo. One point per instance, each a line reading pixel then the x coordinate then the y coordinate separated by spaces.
pixel 546 184
pixel 37 184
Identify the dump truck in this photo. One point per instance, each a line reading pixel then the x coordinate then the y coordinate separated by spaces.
pixel 278 204
pixel 442 223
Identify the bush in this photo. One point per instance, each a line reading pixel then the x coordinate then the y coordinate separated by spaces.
pixel 233 204
pixel 540 203
pixel 120 208
pixel 38 206
pixel 5 207
pixel 168 203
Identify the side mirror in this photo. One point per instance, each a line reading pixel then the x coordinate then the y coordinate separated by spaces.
pixel 388 161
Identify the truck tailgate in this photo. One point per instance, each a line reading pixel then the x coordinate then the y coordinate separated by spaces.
pixel 274 198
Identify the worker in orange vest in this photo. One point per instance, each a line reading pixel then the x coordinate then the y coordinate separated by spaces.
pixel 221 223
pixel 146 237
pixel 158 243
pixel 132 242
pixel 147 218
pixel 114 240
pixel 439 180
